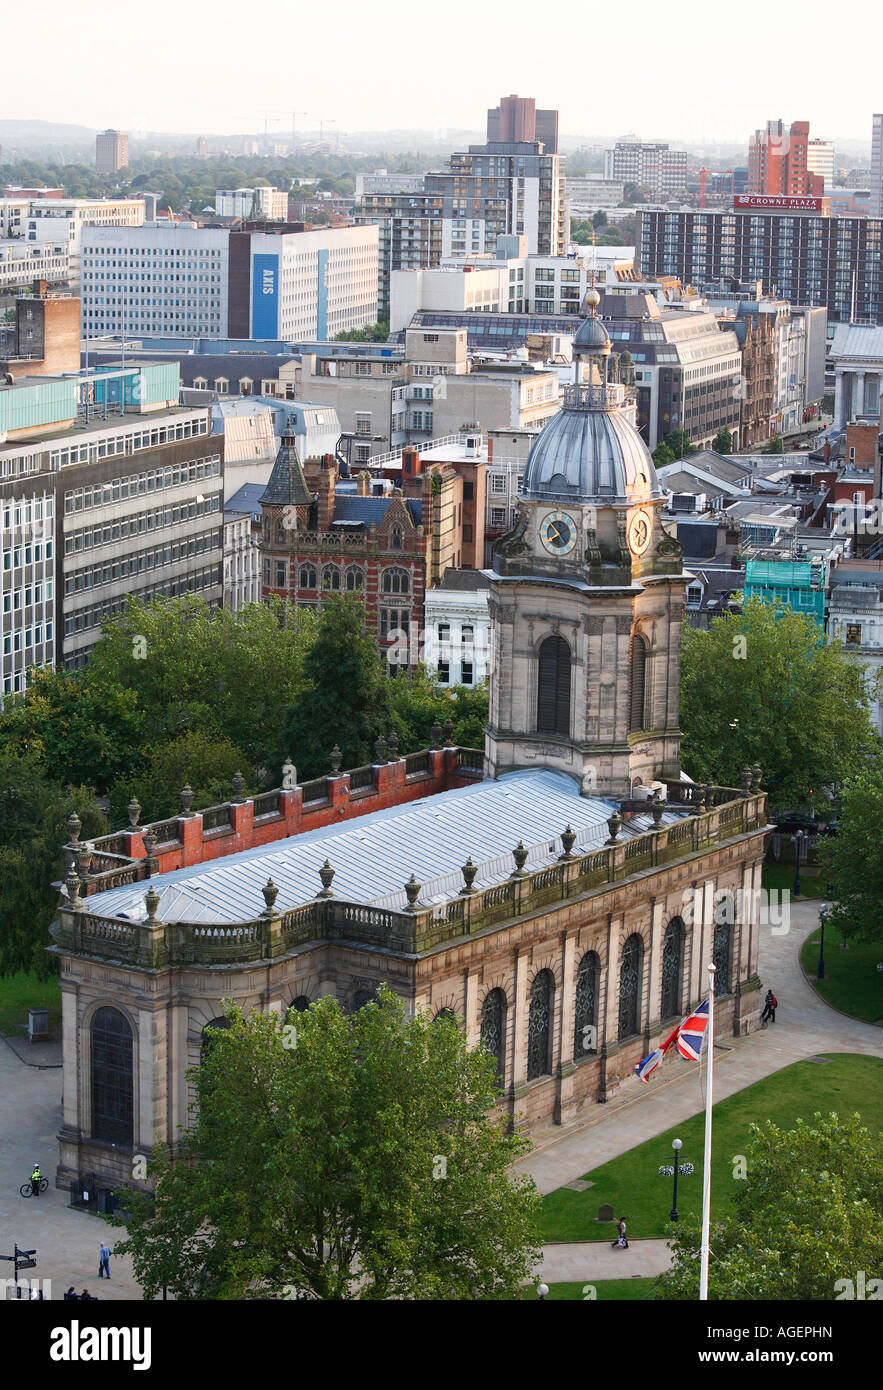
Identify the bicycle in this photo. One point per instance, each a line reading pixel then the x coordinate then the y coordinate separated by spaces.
pixel 27 1190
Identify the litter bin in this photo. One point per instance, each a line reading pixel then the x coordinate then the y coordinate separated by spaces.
pixel 38 1025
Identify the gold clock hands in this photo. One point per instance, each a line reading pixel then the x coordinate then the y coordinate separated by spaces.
pixel 554 533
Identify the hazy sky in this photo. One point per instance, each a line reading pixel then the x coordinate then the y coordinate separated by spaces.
pixel 688 70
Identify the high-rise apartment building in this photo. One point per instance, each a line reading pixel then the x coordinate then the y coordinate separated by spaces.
pixel 264 204
pixel 517 119
pixel 820 160
pixel 877 167
pixel 111 152
pixel 798 251
pixel 778 162
pixel 215 282
pixel 654 167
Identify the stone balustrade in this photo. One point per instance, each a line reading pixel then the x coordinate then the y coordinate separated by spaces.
pixel 416 928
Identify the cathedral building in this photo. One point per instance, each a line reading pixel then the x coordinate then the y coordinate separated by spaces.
pixel 561 891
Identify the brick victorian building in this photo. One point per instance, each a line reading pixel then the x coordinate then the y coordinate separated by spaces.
pixel 562 892
pixel 320 536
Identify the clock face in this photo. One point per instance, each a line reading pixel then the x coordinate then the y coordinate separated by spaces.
pixel 639 533
pixel 558 533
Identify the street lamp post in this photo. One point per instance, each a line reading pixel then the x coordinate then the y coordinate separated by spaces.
pixel 823 917
pixel 542 1292
pixel 676 1145
pixel 798 842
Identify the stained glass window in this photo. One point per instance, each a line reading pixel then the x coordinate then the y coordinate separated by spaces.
pixel 112 1086
pixel 539 1026
pixel 585 1017
pixel 630 987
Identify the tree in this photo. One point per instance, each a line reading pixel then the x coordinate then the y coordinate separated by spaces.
pixel 723 441
pixel 775 445
pixel 599 219
pixel 34 812
pixel 761 686
pixel 853 860
pixel 347 696
pixel 662 454
pixel 206 762
pixel 418 703
pixel 339 1157
pixel 807 1216
pixel 680 444
pixel 82 730
pixel 372 333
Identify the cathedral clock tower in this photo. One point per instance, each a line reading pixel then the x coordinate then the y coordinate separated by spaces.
pixel 588 598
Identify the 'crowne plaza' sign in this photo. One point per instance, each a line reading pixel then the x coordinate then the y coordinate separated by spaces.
pixel 776 202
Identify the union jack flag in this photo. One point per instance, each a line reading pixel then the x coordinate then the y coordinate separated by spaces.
pixel 687 1038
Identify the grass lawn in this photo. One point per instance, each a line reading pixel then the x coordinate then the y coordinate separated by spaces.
pixel 606 1290
pixel 21 992
pixel 781 877
pixel 633 1187
pixel 852 981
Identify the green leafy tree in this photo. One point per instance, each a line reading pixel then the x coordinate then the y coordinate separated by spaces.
pixel 775 445
pixel 418 703
pixel 347 699
pixel 723 441
pixel 34 812
pixel 207 763
pixel 807 1216
pixel 662 454
pixel 854 860
pixel 339 1157
pixel 82 730
pixel 680 444
pixel 760 686
pixel 599 219
pixel 373 333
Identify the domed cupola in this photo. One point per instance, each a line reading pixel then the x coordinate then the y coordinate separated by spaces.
pixel 590 453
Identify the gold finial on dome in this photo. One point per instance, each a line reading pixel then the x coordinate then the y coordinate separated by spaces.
pixel 592 300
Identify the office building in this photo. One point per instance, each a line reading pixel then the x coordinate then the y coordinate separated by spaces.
pixel 517 120
pixel 798 251
pixel 876 178
pixel 262 204
pixel 778 162
pixel 111 152
pixel 64 219
pixel 654 167
pixel 216 282
pixel 820 161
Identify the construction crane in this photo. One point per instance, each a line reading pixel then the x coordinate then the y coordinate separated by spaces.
pixel 294 116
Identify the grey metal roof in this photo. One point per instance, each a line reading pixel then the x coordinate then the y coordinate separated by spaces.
pixel 366 511
pixel 589 456
pixel 374 855
pixel 247 499
pixel 463 581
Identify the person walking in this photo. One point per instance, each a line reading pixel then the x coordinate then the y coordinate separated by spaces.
pixel 104 1254
pixel 769 1008
pixel 620 1243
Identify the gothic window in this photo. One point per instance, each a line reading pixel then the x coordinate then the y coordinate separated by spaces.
pixel 639 664
pixel 493 1028
pixel 280 533
pixel 539 1025
pixel 630 971
pixel 355 579
pixel 553 688
pixel 396 581
pixel 585 1017
pixel 331 577
pixel 112 1078
pixel 720 954
pixel 307 577
pixel 395 540
pixel 672 953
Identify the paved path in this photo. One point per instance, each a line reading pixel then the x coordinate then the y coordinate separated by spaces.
pixel 805 1026
pixel 598 1260
pixel 66 1241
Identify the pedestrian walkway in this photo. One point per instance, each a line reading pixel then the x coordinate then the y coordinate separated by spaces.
pixel 805 1027
pixel 66 1241
pixel 597 1259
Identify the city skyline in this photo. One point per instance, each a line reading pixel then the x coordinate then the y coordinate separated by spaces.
pixel 162 91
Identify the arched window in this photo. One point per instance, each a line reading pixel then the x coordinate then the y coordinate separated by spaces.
pixel 361 998
pixel 245 385
pixel 395 540
pixel 444 1013
pixel 208 1041
pixel 396 581
pixel 331 577
pixel 539 1025
pixel 585 1014
pixel 553 688
pixel 355 579
pixel 300 1004
pixel 672 958
pixel 307 577
pixel 639 664
pixel 112 1084
pixel 281 534
pixel 493 1028
pixel 723 917
pixel 630 971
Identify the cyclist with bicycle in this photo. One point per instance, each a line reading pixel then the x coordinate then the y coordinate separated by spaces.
pixel 36 1179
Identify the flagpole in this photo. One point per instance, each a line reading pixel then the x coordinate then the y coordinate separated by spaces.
pixel 706 1169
